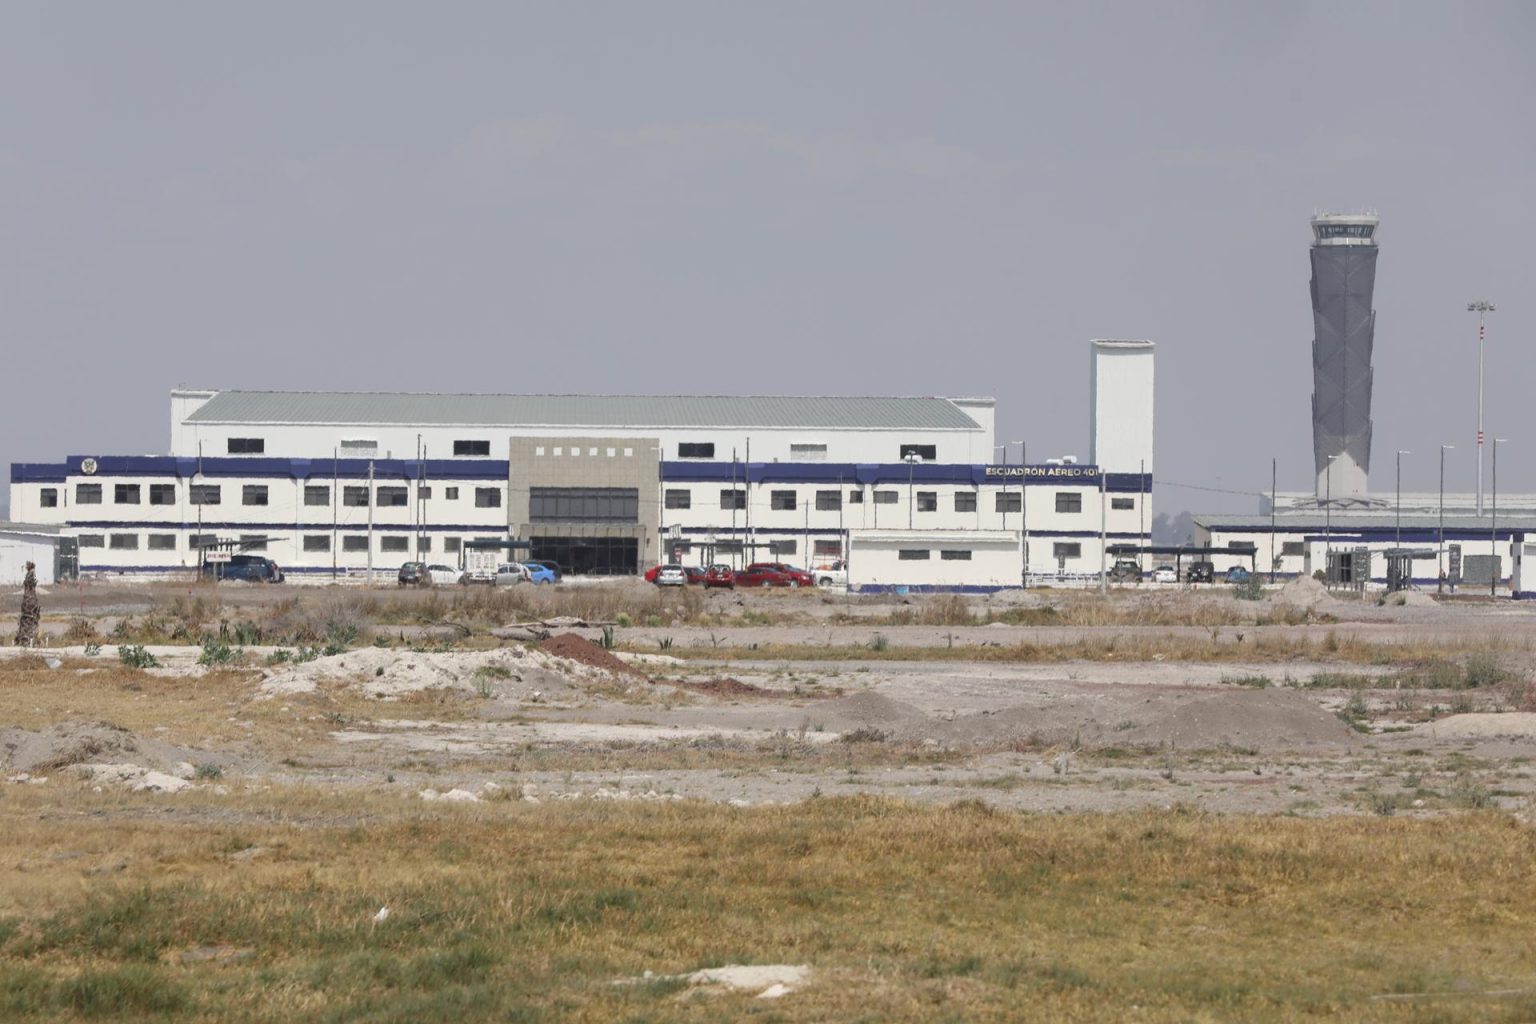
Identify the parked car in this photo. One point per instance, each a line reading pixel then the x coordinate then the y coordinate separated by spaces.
pixel 510 574
pixel 1165 574
pixel 670 576
pixel 539 573
pixel 412 574
pixel 720 576
pixel 1126 570
pixel 1200 572
pixel 1237 574
pixel 439 575
pixel 650 574
pixel 794 576
pixel 759 575
pixel 553 567
pixel 253 568
pixel 833 574
pixel 695 573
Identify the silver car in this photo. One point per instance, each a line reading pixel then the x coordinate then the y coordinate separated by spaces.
pixel 509 573
pixel 671 576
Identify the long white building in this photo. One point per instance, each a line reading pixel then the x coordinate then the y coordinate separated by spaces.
pixel 330 484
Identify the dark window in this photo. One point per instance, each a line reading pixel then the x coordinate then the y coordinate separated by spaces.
pixel 395 544
pixel 733 499
pixel 87 494
pixel 1007 501
pixel 246 446
pixel 471 448
pixel 926 452
pixel 423 544
pixel 782 501
pixel 92 540
pixel 162 494
pixel 252 542
pixel 679 498
pixel 1069 501
pixel 696 450
pixel 829 548
pixel 423 492
pixel 955 556
pixel 829 501
pixel 392 497
pixel 197 541
pixel 450 493
pixel 913 555
pixel 965 501
pixel 885 497
pixel 354 542
pixel 1122 504
pixel 584 504
pixel 253 494
pixel 927 501
pixel 317 542
pixel 1062 549
pixel 162 542
pixel 125 494
pixel 354 497
pixel 808 452
pixel 204 494
pixel 317 494
pixel 125 542
pixel 487 497
pixel 48 497
pixel 1293 547
pixel 781 547
pixel 855 497
pixel 451 545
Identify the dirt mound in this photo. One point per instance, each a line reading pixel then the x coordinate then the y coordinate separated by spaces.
pixel 583 651
pixel 69 743
pixel 1481 725
pixel 872 711
pixel 507 673
pixel 726 688
pixel 1409 599
pixel 1305 592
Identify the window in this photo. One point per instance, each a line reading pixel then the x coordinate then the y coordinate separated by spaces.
pixel 317 495
pixel 92 540
pixel 965 501
pixel 927 501
pixel 354 542
pixel 696 450
pixel 781 547
pixel 855 497
pixel 392 497
pixel 451 545
pixel 394 544
pixel 87 494
pixel 1007 501
pixel 808 452
pixel 316 542
pixel 450 494
pixel 48 497
pixel 246 446
pixel 204 494
pixel 828 548
pixel 423 545
pixel 782 501
pixel 354 497
pixel 1069 501
pixel 252 542
pixel 1293 547
pixel 584 504
pixel 253 494
pixel 679 498
pixel 162 494
pixel 487 497
pixel 198 541
pixel 423 493
pixel 468 448
pixel 359 447
pixel 829 501
pixel 926 452
pixel 736 499
pixel 885 497
pixel 1122 504
pixel 125 494
pixel 913 555
pixel 1062 549
pixel 162 542
pixel 124 542
pixel 955 556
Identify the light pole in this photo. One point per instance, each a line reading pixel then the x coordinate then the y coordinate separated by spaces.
pixel 1482 307
pixel 1399 502
pixel 1493 528
pixel 1004 449
pixel 1328 521
pixel 1440 548
pixel 1023 516
pixel 911 459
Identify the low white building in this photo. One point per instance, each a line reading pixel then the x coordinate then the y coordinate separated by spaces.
pixel 21 543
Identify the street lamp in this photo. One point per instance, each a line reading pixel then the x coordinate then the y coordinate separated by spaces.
pixel 911 459
pixel 1482 307
pixel 1440 549
pixel 1328 519
pixel 1493 528
pixel 1400 453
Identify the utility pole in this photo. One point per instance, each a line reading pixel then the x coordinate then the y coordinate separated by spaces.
pixel 370 522
pixel 1440 547
pixel 1493 529
pixel 1328 523
pixel 1274 484
pixel 1399 502
pixel 1103 538
pixel 1482 307
pixel 912 459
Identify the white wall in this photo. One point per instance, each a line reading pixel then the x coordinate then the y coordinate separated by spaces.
pixel 1122 414
pixel 876 559
pixel 17 549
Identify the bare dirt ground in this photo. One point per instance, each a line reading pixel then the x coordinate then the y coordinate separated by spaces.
pixel 1040 701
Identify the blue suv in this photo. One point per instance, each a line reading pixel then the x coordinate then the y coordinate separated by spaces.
pixel 253 568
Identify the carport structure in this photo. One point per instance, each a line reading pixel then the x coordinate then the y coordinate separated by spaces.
pixel 1182 551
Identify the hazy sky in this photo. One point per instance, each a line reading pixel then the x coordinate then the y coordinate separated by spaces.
pixel 825 198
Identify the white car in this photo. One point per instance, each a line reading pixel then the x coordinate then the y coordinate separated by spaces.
pixel 441 575
pixel 1165 574
pixel 833 574
pixel 671 576
pixel 509 573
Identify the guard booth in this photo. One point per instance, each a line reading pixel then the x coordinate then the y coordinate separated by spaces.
pixel 1400 565
pixel 1351 569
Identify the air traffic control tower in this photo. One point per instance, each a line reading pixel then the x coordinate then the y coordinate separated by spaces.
pixel 1343 278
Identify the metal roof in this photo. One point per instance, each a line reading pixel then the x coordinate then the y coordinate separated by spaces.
pixel 628 411
pixel 1344 523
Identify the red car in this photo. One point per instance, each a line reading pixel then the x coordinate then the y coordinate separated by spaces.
pixel 773 574
pixel 650 574
pixel 793 574
pixel 720 576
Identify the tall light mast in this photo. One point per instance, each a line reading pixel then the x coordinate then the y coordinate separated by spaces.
pixel 1482 307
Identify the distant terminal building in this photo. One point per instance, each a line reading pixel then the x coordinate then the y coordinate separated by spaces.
pixel 907 491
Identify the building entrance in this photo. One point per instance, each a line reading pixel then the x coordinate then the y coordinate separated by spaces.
pixel 589 556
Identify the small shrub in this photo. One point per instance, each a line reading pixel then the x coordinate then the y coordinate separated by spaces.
pixel 135 656
pixel 209 770
pixel 81 631
pixel 879 643
pixel 219 652
pixel 91 650
pixel 1249 589
pixel 608 643
pixel 623 619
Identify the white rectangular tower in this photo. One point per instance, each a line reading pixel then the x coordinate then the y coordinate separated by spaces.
pixel 1120 381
